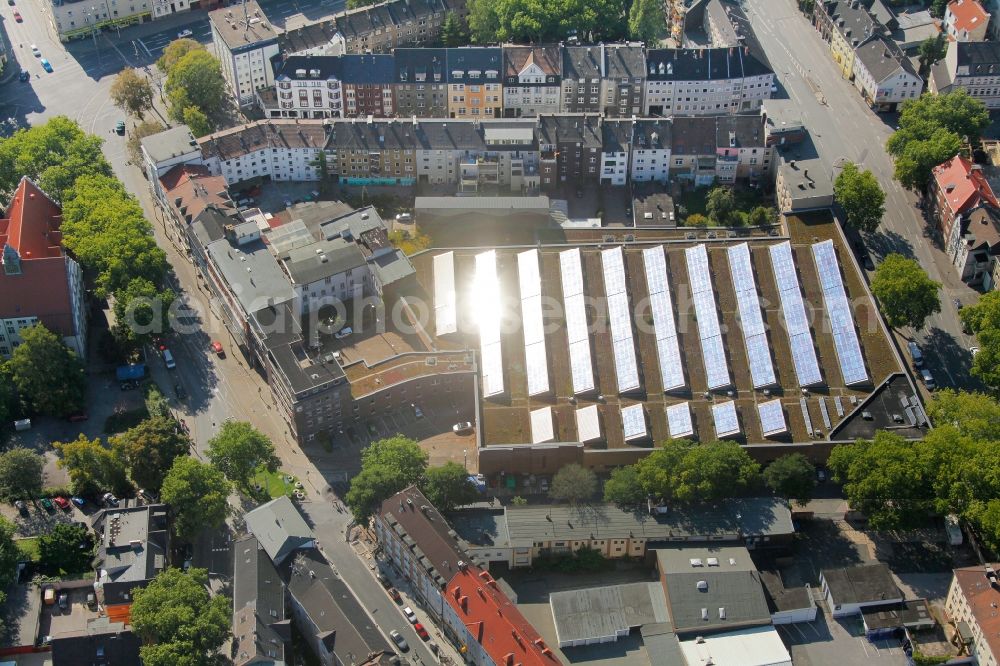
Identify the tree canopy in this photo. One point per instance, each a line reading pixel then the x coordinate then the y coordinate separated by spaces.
pixel 861 197
pixel 685 471
pixel 573 483
pixel 141 312
pixel 54 155
pixel 623 487
pixel 20 474
pixel 930 51
pixel 387 466
pixel 131 92
pixel 49 376
pixel 531 21
pixel 906 296
pixel 149 449
pixel 983 319
pixel 195 81
pixel 447 486
pixel 454 31
pixel 10 555
pixel 178 621
pixel 198 495
pixel 66 549
pixel 238 450
pixel 176 50
pixel 646 22
pixel 93 468
pixel 791 476
pixel 721 206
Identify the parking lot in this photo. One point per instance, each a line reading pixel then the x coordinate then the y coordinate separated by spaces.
pixel 828 642
pixel 55 620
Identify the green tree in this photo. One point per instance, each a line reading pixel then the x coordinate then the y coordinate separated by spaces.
pixel 906 295
pixel 623 487
pixel 791 476
pixel 93 467
pixel 721 206
pixel 354 4
pixel 861 197
pixel 697 220
pixel 8 398
pixel 762 216
pixel 986 518
pixel 239 450
pixel 454 31
pixel 178 621
pixel 983 319
pixel 688 472
pixel 483 20
pixel 196 81
pixel 141 312
pixel 447 486
pixel 197 494
pixel 147 127
pixel 54 155
pixel 930 51
pixel 918 158
pixel 48 375
pixel 974 415
pixel 197 121
pixel 593 21
pixel 149 449
pixel 889 479
pixel 176 50
pixel 60 550
pixel 573 483
pixel 387 466
pixel 937 7
pixel 646 22
pixel 131 92
pixel 10 555
pixel 20 474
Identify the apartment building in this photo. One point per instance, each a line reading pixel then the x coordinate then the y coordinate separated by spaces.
pixel 532 80
pixel 189 190
pixel 40 282
pixel 966 21
pixel 651 145
pixel 475 87
pixel 972 603
pixel 974 66
pixel 369 88
pixel 76 19
pixel 368 152
pixel 279 149
pixel 385 26
pixel 583 67
pixel 260 626
pixel 616 144
pixel 622 80
pixel 306 87
pixel 245 42
pixel 741 150
pixel 974 245
pixel 682 82
pixel 884 75
pixel 693 150
pixel 163 151
pixel 570 148
pixel 846 24
pixel 957 188
pixel 421 82
pixel 803 185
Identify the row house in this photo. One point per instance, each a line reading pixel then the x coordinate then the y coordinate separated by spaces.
pixel 966 21
pixel 973 66
pixel 275 149
pixel 846 24
pixel 583 68
pixel 74 19
pixel 382 27
pixel 884 75
pixel 616 138
pixel 532 80
pixel 974 246
pixel 650 150
pixel 607 78
pixel 570 150
pixel 305 87
pixel 368 88
pixel 971 605
pixel 741 149
pixel 474 82
pixel 368 152
pixel 957 188
pixel 693 154
pixel 691 82
pixel 421 82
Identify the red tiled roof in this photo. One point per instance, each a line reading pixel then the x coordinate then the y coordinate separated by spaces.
pixel 968 186
pixel 195 188
pixel 32 223
pixel 495 622
pixel 181 173
pixel 983 599
pixel 969 14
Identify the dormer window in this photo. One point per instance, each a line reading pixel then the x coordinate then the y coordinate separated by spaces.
pixel 474 73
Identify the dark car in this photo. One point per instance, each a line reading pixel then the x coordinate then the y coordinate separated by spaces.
pixel 24 76
pixel 179 390
pixel 22 507
pixel 383 581
pixel 371 429
pixel 394 593
pixel 78 501
pixel 120 127
pixel 47 504
pixel 78 417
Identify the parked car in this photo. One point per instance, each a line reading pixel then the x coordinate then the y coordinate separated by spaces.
pixel 25 75
pixel 35 52
pixel 399 640
pixel 46 65
pixel 78 501
pixel 184 33
pixel 343 333
pixel 394 594
pixel 91 601
pixel 47 504
pixel 372 430
pixel 168 359
pixel 63 600
pixel 179 390
pixel 22 507
pixel 217 348
pixel 383 581
pixel 958 304
pixel 110 499
pixel 419 628
pixel 915 354
pixel 928 378
pixel 120 127
pixel 17 16
pixel 417 411
pixel 410 615
pixel 78 417
pixel 462 428
pixel 62 503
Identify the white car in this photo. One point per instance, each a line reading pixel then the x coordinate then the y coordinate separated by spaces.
pixel 35 52
pixel 184 33
pixel 343 333
pixel 410 615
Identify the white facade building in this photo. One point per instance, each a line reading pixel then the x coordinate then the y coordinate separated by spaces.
pixel 691 82
pixel 74 20
pixel 884 75
pixel 279 149
pixel 244 42
pixel 650 151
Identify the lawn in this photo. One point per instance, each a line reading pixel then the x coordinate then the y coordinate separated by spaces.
pixel 29 548
pixel 274 483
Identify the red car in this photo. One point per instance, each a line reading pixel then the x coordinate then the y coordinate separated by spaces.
pixel 217 348
pixel 62 503
pixel 17 16
pixel 394 593
pixel 419 628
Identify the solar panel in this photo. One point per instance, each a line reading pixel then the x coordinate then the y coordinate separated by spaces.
pixel 532 322
pixel 838 310
pixel 620 319
pixel 826 414
pixel 726 421
pixel 772 418
pixel 662 309
pixel 633 422
pixel 712 350
pixel 487 294
pixel 577 334
pixel 541 426
pixel 588 424
pixel 794 313
pixel 805 414
pixel 679 421
pixel 445 310
pixel 751 319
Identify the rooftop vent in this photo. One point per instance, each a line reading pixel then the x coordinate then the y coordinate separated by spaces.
pixel 703 585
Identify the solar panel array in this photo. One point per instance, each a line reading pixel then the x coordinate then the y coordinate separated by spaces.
pixel 445 310
pixel 751 320
pixel 726 421
pixel 533 325
pixel 620 318
pixel 578 337
pixel 633 422
pixel 838 309
pixel 772 418
pixel 541 425
pixel 679 421
pixel 487 296
pixel 794 311
pixel 712 350
pixel 588 424
pixel 662 308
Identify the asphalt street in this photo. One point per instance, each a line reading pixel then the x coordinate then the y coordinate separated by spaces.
pixel 843 128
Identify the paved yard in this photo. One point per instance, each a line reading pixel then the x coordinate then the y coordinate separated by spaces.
pixel 828 642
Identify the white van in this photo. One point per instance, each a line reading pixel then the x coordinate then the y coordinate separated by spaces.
pixel 915 354
pixel 168 359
